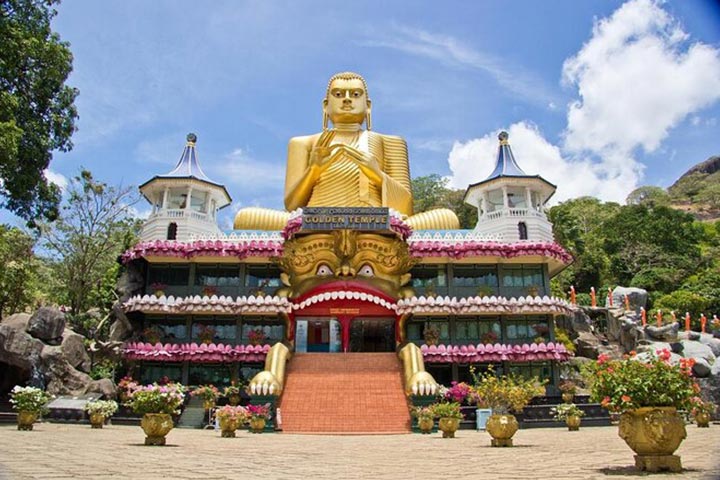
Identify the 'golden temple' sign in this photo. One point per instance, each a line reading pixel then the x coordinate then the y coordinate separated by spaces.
pixel 345 218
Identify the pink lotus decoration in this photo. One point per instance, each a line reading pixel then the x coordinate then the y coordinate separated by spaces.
pixel 482 353
pixel 195 353
pixel 484 305
pixel 474 248
pixel 205 304
pixel 204 248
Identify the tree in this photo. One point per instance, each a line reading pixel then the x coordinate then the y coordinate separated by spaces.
pixel 431 191
pixel 649 196
pixel 37 111
pixel 95 226
pixel 18 278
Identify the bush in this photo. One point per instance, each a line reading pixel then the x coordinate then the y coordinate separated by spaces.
pixel 562 336
pixel 682 301
pixel 447 410
pixel 29 399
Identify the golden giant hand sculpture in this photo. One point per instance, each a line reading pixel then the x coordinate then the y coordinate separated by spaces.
pixel 347 166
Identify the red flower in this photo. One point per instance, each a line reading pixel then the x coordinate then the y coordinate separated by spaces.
pixel 605 401
pixel 602 358
pixel 663 354
pixel 625 398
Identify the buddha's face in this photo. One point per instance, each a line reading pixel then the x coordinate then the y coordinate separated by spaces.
pixel 347 101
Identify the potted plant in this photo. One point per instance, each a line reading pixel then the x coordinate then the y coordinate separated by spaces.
pixel 570 413
pixel 425 418
pixel 504 394
pixel 158 288
pixel 431 334
pixel 489 338
pixel 99 411
pixel 152 335
pixel 256 336
pixel 647 391
pixel 208 393
pixel 568 389
pixel 701 411
pixel 232 392
pixel 206 334
pixel 449 416
pixel 230 418
pixel 30 403
pixel 258 415
pixel 156 403
pixel 210 290
pixel 126 386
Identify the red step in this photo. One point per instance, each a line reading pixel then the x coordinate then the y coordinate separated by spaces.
pixel 350 393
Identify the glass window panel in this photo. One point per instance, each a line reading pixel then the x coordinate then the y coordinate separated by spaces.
pixel 414 331
pixel 444 328
pixel 218 375
pixel 262 276
pixel 153 373
pixel 197 201
pixel 461 330
pixel 472 330
pixel 176 198
pixel 171 275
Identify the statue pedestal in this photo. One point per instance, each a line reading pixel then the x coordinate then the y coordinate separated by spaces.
pixel 657 463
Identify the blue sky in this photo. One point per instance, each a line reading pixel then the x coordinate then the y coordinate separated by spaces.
pixel 599 96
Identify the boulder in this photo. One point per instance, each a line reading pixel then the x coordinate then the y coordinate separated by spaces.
pixel 624 328
pixel 73 349
pixel 131 281
pixel 665 333
pixel 637 297
pixel 587 345
pixel 710 341
pixel 701 368
pixel 17 347
pixel 710 386
pixel 61 377
pixel 18 321
pixel 47 324
pixel 647 357
pixel 104 386
pixel 121 329
pixel 652 347
pixel 698 350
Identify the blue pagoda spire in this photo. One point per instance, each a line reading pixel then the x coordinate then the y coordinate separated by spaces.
pixel 506 164
pixel 188 165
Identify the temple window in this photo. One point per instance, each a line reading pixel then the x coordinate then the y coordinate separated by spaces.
pixel 217 276
pixel 525 276
pixel 527 329
pixel 272 330
pixel 494 200
pixel 168 329
pixel 214 330
pixel 154 372
pixel 522 231
pixel 542 370
pixel 427 279
pixel 475 330
pixel 262 276
pixel 218 374
pixel 177 198
pixel 517 198
pixel 198 202
pixel 172 231
pixel 475 280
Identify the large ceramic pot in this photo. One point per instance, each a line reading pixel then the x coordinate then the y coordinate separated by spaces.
pixel 573 422
pixel 448 426
pixel 654 433
pixel 702 420
pixel 156 426
pixel 426 424
pixel 25 420
pixel 97 420
pixel 257 425
pixel 567 397
pixel 234 399
pixel 501 428
pixel 228 427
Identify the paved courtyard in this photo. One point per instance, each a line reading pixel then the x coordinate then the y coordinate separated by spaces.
pixel 57 451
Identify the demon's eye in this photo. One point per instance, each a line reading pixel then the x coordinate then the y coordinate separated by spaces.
pixel 324 271
pixel 366 271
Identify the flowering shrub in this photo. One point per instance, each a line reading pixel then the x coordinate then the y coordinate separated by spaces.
pixel 256 412
pixel 507 392
pixel 209 393
pixel 233 389
pixel 564 410
pixel 568 386
pixel 489 338
pixel 422 412
pixel 157 399
pixel 206 333
pixel 234 414
pixel 158 286
pixel 621 385
pixel 210 290
pixel 29 399
pixel 458 392
pixel 126 386
pixel 431 334
pixel 698 406
pixel 106 408
pixel 446 410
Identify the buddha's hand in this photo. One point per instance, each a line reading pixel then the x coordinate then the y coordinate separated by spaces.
pixel 320 155
pixel 368 164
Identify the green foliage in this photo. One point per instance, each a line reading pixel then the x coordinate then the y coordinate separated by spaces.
pixel 565 410
pixel 95 227
pixel 621 385
pixel 157 399
pixel 682 301
pixel 649 196
pixel 447 410
pixel 106 408
pixel 37 111
pixel 561 335
pixel 706 283
pixel 505 393
pixel 18 278
pixel 431 191
pixel 710 195
pixel 103 369
pixel 657 279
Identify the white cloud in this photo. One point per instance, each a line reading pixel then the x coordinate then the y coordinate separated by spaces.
pixel 637 80
pixel 474 160
pixel 451 51
pixel 250 174
pixel 57 178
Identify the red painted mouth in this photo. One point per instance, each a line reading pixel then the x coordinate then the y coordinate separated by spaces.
pixel 347 286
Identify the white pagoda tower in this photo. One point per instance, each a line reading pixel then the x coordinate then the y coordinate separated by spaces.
pixel 511 203
pixel 185 201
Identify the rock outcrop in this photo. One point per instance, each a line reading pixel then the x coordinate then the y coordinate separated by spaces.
pixel 47 324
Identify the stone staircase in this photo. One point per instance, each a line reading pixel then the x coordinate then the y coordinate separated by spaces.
pixel 194 415
pixel 346 393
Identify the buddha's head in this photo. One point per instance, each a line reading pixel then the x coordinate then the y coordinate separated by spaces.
pixel 346 100
pixel 346 260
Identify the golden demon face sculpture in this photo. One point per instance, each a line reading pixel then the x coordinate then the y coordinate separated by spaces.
pixel 348 260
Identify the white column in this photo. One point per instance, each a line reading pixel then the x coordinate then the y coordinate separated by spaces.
pixel 165 195
pixel 505 197
pixel 528 198
pixel 189 199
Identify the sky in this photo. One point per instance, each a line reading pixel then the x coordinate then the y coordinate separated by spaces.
pixel 599 96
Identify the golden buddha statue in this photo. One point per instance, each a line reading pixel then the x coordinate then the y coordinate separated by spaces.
pixel 346 166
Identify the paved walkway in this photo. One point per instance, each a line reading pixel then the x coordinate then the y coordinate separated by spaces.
pixel 56 451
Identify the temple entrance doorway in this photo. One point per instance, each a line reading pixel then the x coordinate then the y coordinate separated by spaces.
pixel 372 334
pixel 317 334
